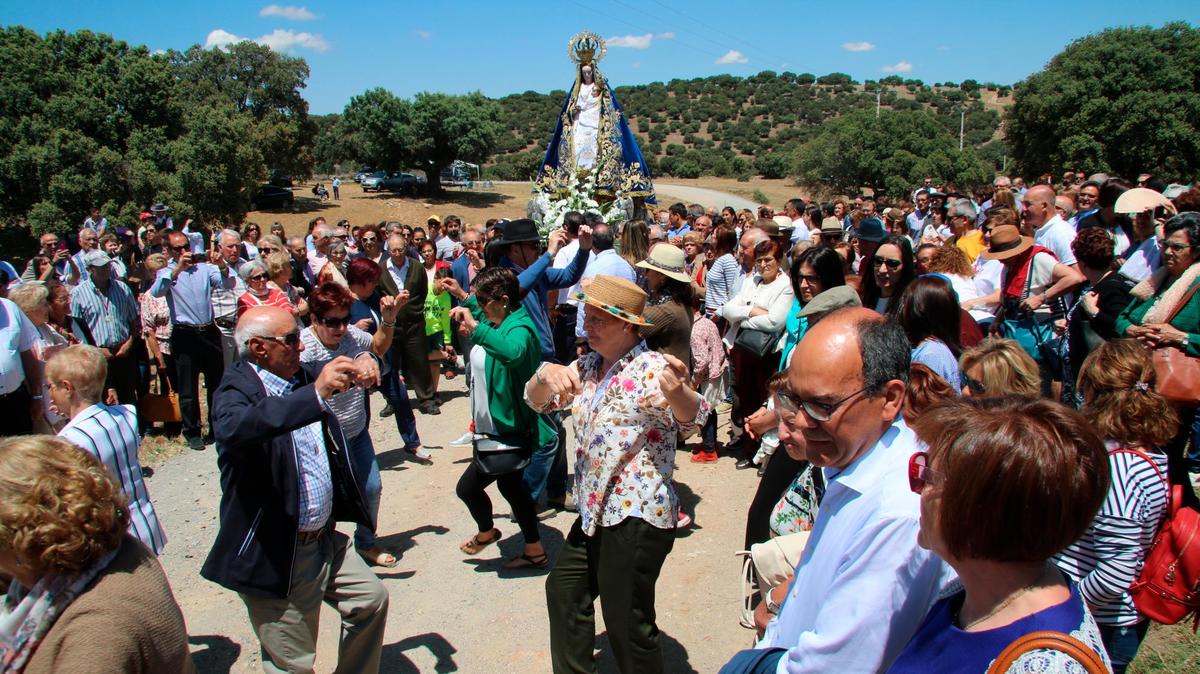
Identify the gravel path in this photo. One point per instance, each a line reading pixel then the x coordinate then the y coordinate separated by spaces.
pixel 703 196
pixel 450 612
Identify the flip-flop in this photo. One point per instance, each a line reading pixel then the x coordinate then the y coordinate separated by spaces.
pixel 527 562
pixel 476 544
pixel 375 557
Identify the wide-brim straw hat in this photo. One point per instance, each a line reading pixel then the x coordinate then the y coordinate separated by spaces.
pixel 1140 200
pixel 667 260
pixel 1007 242
pixel 618 297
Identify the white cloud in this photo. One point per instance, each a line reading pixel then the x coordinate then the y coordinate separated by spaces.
pixel 901 67
pixel 732 56
pixel 278 40
pixel 424 34
pixel 283 40
pixel 221 38
pixel 665 36
pixel 288 12
pixel 631 41
pixel 858 46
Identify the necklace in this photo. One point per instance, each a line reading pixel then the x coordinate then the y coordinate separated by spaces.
pixel 1004 604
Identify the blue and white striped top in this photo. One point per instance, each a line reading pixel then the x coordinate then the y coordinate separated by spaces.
pixel 1108 557
pixel 109 433
pixel 109 314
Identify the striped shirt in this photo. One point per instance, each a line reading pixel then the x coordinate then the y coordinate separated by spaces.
pixel 1108 557
pixel 110 314
pixel 109 433
pixel 719 282
pixel 349 406
pixel 312 463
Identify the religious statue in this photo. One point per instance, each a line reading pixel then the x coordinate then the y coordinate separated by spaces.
pixel 592 139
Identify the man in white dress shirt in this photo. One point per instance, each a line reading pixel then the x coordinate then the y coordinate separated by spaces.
pixel 863 584
pixel 1049 229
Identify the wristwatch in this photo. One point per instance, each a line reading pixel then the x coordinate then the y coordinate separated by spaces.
pixel 772 607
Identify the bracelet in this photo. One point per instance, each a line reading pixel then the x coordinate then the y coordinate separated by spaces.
pixel 38 397
pixel 388 325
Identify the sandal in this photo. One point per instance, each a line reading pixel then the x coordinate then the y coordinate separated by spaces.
pixel 527 562
pixel 377 556
pixel 476 544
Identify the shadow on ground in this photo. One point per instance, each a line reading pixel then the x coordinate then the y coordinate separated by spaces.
pixel 401 542
pixel 394 660
pixel 675 655
pixel 446 198
pixel 488 561
pixel 217 656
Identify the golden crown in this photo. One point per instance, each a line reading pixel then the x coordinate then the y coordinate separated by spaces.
pixel 586 47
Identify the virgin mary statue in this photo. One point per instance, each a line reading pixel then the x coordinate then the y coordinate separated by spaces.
pixel 592 136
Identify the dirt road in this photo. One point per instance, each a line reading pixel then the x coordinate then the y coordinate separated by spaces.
pixel 702 195
pixel 450 612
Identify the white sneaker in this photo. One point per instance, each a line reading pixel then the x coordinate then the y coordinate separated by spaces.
pixel 420 453
pixel 463 440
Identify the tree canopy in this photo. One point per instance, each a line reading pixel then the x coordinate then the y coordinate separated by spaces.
pixel 90 121
pixel 1126 100
pixel 892 152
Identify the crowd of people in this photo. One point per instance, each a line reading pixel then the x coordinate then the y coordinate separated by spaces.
pixel 917 381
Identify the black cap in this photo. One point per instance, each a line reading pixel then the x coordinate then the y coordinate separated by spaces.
pixel 520 231
pixel 870 229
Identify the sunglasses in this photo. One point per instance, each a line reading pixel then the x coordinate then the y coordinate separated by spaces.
pixel 891 262
pixel 331 322
pixel 974 385
pixel 368 239
pixel 817 411
pixel 179 249
pixel 920 474
pixel 291 339
pixel 259 277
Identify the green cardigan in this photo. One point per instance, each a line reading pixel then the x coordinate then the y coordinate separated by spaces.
pixel 1187 320
pixel 513 356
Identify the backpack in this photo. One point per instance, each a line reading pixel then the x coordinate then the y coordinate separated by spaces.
pixel 1168 589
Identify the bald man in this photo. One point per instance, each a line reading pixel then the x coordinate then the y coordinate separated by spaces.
pixel 285 480
pixel 1047 227
pixel 841 409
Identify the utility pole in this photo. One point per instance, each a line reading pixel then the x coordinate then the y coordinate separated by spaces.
pixel 962 116
pixel 878 94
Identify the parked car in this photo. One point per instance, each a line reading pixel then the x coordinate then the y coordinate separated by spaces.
pixel 280 179
pixel 363 173
pixel 396 181
pixel 271 197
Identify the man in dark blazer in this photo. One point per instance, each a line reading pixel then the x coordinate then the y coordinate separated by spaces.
pixel 285 481
pixel 410 350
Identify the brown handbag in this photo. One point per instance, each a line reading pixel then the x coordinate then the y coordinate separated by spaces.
pixel 1176 374
pixel 1049 640
pixel 161 407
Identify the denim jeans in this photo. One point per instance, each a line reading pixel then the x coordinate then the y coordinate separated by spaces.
pixel 366 472
pixel 547 469
pixel 397 395
pixel 1122 643
pixel 708 434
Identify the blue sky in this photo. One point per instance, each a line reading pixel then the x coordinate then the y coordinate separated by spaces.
pixel 502 47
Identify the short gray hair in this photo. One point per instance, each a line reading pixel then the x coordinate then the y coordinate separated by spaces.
pixel 337 245
pixel 323 231
pixel 229 233
pixel 250 326
pixel 964 207
pixel 29 295
pixel 249 268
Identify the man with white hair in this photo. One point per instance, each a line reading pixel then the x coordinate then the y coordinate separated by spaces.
pixel 317 257
pixel 228 248
pixel 89 241
pixel 961 216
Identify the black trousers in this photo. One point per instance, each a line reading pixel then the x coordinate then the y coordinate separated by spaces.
pixel 16 417
pixel 410 351
pixel 196 351
pixel 471 490
pixel 123 376
pixel 564 333
pixel 620 565
pixel 779 473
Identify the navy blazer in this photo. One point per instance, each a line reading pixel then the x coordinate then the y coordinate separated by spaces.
pixel 256 540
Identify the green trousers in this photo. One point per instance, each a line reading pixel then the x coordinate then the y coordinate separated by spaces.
pixel 620 565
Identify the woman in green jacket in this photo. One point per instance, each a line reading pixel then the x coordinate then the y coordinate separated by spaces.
pixel 1165 313
pixel 505 354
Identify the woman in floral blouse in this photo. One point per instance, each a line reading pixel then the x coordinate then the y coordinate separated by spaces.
pixel 629 403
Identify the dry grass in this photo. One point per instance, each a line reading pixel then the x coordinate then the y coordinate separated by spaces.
pixel 778 191
pixel 158 449
pixel 1168 649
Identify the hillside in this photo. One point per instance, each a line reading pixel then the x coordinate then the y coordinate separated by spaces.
pixel 735 127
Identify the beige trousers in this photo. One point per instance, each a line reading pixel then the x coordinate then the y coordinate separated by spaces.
pixel 327 570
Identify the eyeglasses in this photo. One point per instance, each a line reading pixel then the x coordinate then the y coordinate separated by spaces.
pixel 259 277
pixel 332 322
pixel 179 249
pixel 974 385
pixel 891 262
pixel 291 339
pixel 920 474
pixel 816 411
pixel 1173 246
pixel 368 239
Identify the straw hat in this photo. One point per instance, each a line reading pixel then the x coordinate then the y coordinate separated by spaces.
pixel 668 261
pixel 1140 199
pixel 831 225
pixel 619 297
pixel 1007 242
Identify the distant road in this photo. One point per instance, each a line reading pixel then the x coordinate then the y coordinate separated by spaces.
pixel 701 195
